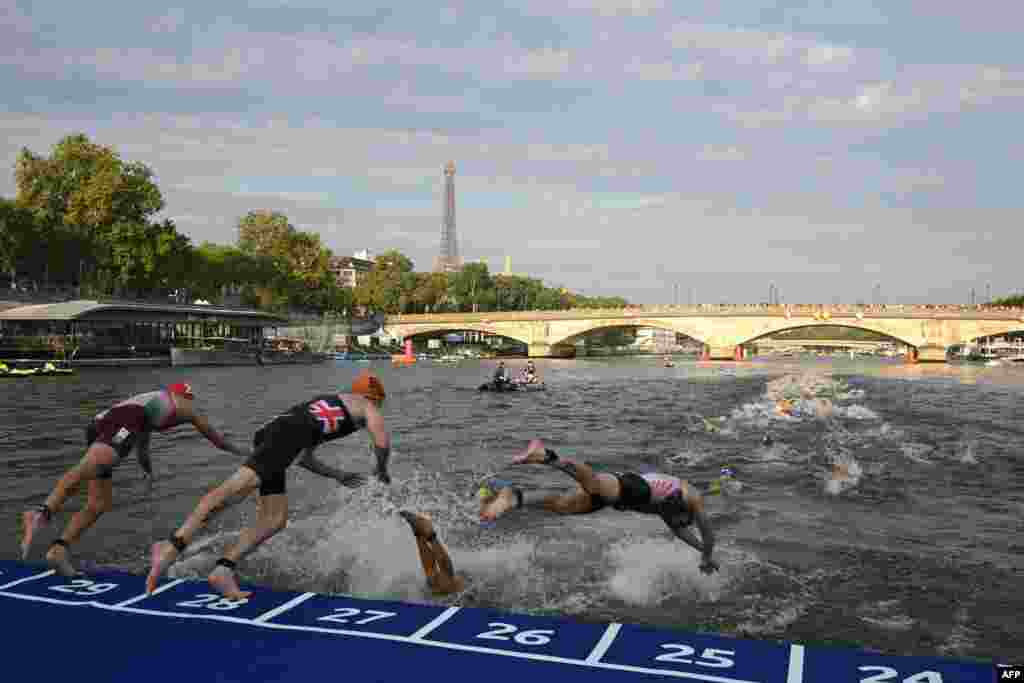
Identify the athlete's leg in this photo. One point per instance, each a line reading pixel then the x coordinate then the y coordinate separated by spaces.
pixel 272 518
pixel 101 500
pixel 444 581
pixel 162 554
pixel 578 502
pixel 98 461
pixel 437 565
pixel 422 529
pixel 596 483
pixel 427 558
pixel 508 498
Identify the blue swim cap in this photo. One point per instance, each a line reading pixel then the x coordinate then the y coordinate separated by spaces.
pixel 727 471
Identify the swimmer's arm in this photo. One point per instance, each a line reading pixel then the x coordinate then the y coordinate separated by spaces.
pixel 316 466
pixel 142 453
pixel 203 426
pixel 381 442
pixel 682 533
pixel 701 520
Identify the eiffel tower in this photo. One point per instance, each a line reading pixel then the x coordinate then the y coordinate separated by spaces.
pixel 448 261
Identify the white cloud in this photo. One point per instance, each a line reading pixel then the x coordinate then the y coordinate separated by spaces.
pixel 563 245
pixel 315 197
pixel 543 151
pixel 721 153
pixel 611 8
pixel 828 55
pixel 664 70
pixel 744 45
pixel 545 62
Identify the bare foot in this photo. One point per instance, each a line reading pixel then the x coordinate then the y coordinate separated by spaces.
pixel 535 453
pixel 161 556
pixel 224 582
pixel 502 503
pixel 57 558
pixel 31 522
pixel 421 524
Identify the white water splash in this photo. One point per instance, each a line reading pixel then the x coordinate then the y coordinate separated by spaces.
pixel 916 452
pixel 648 572
pixel 966 453
pixel 886 615
pixel 845 475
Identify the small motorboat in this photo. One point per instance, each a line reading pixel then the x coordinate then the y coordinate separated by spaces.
pixel 512 386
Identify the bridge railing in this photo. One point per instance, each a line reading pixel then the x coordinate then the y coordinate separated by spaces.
pixel 833 310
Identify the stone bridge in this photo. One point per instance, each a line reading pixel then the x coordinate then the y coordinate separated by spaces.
pixel 725 330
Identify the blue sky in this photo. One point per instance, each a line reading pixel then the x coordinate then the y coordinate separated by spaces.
pixel 614 147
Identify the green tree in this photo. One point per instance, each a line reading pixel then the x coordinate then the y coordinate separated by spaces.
pixel 390 286
pixel 471 286
pixel 1016 300
pixel 80 193
pixel 300 260
pixel 19 236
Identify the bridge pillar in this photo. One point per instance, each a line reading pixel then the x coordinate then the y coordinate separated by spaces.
pixel 931 354
pixel 541 350
pixel 722 352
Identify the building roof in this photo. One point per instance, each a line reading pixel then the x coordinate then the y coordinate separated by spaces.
pixel 351 262
pixel 76 310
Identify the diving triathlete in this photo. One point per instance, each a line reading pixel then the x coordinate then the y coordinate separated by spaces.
pixel 277 444
pixel 437 565
pixel 676 501
pixel 110 437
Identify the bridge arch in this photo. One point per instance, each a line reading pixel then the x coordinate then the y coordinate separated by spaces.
pixel 1014 329
pixel 447 328
pixel 825 323
pixel 679 326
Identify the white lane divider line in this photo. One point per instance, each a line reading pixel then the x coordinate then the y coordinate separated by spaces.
pixel 26 579
pixel 161 589
pixel 796 664
pixel 281 609
pixel 602 645
pixel 438 620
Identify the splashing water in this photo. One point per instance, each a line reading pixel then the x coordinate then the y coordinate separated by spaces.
pixel 917 451
pixel 845 475
pixel 651 571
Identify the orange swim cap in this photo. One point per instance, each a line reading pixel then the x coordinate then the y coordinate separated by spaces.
pixel 369 386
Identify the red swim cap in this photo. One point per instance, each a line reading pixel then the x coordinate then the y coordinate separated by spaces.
pixel 182 389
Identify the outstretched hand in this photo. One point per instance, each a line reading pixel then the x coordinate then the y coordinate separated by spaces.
pixel 352 480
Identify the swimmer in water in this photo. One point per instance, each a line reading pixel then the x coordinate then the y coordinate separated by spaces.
pixel 437 565
pixel 677 502
pixel 110 438
pixel 301 429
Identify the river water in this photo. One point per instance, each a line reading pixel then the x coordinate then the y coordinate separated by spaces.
pixel 919 551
